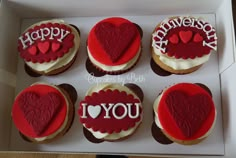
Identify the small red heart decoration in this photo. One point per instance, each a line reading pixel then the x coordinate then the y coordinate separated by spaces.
pixel 44 47
pixel 115 39
pixel 32 50
pixel 174 39
pixel 197 38
pixel 55 46
pixel 185 36
pixel 189 112
pixel 39 110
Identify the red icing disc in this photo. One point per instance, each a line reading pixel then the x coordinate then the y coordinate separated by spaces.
pixel 185 38
pixel 39 111
pixel 114 41
pixel 110 111
pixel 45 42
pixel 186 111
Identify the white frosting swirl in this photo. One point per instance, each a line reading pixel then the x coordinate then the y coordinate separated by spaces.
pixel 122 67
pixel 59 62
pixel 158 123
pixel 123 133
pixel 181 64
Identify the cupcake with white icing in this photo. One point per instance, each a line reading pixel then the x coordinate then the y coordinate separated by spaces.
pixel 49 47
pixel 111 112
pixel 182 44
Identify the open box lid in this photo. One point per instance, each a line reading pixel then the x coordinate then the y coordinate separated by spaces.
pixel 61 8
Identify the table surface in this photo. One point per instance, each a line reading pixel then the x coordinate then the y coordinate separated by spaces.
pixel 29 155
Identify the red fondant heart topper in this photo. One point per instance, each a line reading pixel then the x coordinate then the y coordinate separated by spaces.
pixel 115 40
pixel 39 110
pixel 189 112
pixel 110 111
pixel 186 111
pixel 45 42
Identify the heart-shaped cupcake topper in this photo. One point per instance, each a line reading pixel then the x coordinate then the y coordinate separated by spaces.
pixel 115 40
pixel 189 112
pixel 39 110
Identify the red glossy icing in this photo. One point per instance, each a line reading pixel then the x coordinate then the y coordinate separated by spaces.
pixel 111 125
pixel 186 111
pixel 39 110
pixel 197 38
pixel 174 39
pixel 41 92
pixel 115 39
pixel 185 36
pixel 47 50
pixel 98 52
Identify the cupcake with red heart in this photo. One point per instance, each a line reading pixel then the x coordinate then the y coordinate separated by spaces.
pixel 185 113
pixel 110 112
pixel 49 47
pixel 44 112
pixel 181 44
pixel 114 45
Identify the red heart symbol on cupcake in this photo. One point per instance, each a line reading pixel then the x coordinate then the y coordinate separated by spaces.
pixel 189 112
pixel 38 110
pixel 44 47
pixel 115 40
pixel 185 36
pixel 174 39
pixel 55 46
pixel 32 50
pixel 197 38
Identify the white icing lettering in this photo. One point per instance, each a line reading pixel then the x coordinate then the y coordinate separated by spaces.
pixel 53 33
pixel 107 109
pixel 44 33
pixel 186 22
pixel 124 113
pixel 166 27
pixel 159 35
pixel 63 35
pixel 130 111
pixel 111 109
pixel 211 44
pixel 84 110
pixel 160 45
pixel 199 25
pixel 25 41
pixel 35 35
pixel 176 22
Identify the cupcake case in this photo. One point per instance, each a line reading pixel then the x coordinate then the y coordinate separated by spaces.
pixel 142 142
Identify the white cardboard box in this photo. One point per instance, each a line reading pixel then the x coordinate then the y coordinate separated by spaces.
pixel 15 15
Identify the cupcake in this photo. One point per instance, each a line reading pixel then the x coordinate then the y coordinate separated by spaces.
pixel 114 45
pixel 185 113
pixel 180 45
pixel 110 112
pixel 49 47
pixel 44 112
